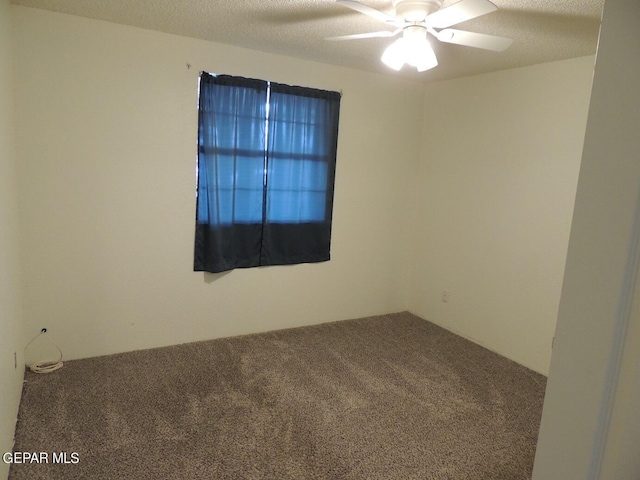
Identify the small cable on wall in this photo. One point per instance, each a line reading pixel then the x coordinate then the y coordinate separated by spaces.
pixel 45 366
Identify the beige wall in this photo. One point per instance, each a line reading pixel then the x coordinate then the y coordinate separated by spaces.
pixel 591 422
pixel 620 452
pixel 106 136
pixel 11 338
pixel 493 201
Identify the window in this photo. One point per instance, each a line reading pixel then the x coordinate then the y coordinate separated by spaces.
pixel 266 169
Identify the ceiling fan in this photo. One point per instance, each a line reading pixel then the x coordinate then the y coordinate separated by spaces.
pixel 415 19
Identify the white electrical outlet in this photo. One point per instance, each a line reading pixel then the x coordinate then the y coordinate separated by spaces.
pixel 445 296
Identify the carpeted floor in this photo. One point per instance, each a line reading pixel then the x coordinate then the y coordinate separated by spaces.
pixel 386 397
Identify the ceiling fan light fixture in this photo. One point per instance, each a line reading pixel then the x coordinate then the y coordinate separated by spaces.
pixel 394 55
pixel 413 48
pixel 427 60
pixel 418 51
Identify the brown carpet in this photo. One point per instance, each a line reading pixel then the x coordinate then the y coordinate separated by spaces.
pixel 386 397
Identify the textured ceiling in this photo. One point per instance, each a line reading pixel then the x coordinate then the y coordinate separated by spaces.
pixel 543 30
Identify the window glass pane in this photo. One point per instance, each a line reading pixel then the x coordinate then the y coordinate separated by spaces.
pixel 305 207
pixel 298 159
pixel 231 157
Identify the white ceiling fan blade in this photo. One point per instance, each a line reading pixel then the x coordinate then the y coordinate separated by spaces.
pixel 371 12
pixel 460 12
pixel 477 40
pixel 358 36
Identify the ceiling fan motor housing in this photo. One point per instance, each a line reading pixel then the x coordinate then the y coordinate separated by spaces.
pixel 416 10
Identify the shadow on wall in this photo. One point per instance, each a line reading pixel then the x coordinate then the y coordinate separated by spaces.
pixel 213 277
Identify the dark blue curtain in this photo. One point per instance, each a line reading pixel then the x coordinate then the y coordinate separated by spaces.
pixel 266 168
pixel 301 161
